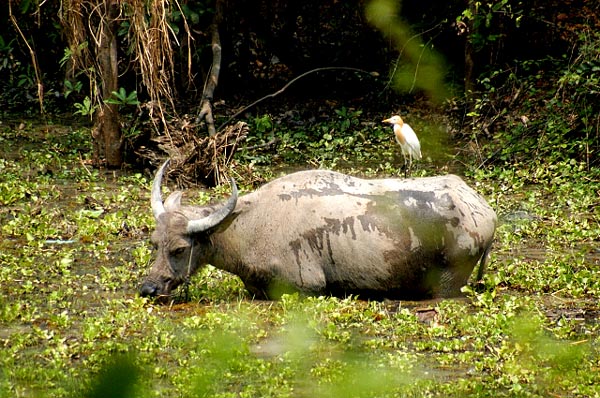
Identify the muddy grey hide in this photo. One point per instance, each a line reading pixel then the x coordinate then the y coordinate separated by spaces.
pixel 322 232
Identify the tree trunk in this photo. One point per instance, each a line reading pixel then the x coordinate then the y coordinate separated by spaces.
pixel 213 77
pixel 107 132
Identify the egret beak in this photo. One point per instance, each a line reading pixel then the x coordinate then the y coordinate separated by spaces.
pixel 386 121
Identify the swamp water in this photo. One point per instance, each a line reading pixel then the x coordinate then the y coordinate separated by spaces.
pixel 74 248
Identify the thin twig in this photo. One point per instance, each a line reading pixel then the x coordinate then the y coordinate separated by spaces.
pixel 36 67
pixel 189 39
pixel 387 85
pixel 423 49
pixel 281 90
pixel 263 145
pixel 84 166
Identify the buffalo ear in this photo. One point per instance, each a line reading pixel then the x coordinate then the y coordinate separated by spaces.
pixel 173 202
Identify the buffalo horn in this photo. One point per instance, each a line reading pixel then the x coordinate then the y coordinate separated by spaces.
pixel 215 218
pixel 156 199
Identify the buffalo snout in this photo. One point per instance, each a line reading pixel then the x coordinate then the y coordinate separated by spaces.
pixel 149 289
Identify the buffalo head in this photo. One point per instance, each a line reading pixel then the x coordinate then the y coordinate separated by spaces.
pixel 181 237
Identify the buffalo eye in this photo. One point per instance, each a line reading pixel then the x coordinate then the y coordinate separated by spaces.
pixel 177 251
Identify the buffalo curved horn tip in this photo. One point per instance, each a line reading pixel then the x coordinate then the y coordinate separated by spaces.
pixel 214 219
pixel 155 198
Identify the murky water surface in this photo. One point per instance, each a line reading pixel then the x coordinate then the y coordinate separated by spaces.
pixel 89 260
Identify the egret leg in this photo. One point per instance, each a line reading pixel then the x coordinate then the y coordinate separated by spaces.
pixel 407 167
pixel 405 164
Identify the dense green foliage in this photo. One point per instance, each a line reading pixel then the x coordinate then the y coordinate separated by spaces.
pixel 545 109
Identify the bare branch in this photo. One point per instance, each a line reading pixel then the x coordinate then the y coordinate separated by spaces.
pixel 36 66
pixel 294 80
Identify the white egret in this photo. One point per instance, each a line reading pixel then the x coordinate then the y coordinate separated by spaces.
pixel 408 141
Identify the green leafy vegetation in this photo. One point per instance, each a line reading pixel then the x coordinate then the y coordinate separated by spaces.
pixel 122 98
pixel 74 239
pixel 546 109
pixel 342 142
pixel 75 246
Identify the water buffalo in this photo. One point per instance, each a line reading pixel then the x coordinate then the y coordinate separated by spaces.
pixel 322 232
